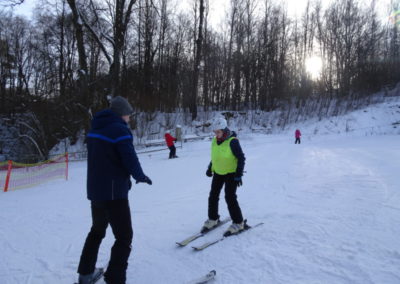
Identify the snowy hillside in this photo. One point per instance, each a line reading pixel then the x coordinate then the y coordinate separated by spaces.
pixel 330 208
pixel 377 119
pixel 382 117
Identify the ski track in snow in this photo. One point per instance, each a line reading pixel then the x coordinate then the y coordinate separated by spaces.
pixel 330 209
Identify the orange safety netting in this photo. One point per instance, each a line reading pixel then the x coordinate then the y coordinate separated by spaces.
pixel 15 175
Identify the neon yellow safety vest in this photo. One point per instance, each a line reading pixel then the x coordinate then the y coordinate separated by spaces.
pixel 222 159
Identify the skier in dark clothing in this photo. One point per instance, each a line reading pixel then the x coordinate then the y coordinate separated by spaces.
pixel 169 139
pixel 226 168
pixel 112 160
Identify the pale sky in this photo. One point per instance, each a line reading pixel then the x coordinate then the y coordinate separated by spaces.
pixel 218 8
pixel 25 8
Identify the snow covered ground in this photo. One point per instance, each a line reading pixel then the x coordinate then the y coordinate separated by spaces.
pixel 330 205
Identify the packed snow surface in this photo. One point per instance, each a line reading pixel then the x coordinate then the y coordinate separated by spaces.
pixel 331 208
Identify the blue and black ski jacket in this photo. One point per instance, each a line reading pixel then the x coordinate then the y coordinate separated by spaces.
pixel 111 158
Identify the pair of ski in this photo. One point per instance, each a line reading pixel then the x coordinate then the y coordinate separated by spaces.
pixel 213 242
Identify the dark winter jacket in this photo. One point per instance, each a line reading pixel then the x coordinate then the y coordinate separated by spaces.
pixel 237 151
pixel 111 158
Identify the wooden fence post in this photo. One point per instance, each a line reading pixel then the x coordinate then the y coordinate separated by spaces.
pixel 66 167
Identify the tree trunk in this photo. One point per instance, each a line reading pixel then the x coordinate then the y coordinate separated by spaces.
pixel 199 41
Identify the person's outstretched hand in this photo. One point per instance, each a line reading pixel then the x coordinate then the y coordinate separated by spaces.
pixel 145 180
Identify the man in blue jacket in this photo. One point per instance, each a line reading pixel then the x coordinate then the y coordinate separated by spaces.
pixel 112 160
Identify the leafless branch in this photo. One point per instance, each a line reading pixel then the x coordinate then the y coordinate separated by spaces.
pixel 11 3
pixel 96 37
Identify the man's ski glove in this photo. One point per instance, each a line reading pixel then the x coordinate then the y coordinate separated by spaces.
pixel 238 181
pixel 145 180
pixel 209 172
pixel 148 181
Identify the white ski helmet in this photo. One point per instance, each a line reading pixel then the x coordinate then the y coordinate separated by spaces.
pixel 219 123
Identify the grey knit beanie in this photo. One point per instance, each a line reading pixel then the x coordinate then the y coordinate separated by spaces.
pixel 121 106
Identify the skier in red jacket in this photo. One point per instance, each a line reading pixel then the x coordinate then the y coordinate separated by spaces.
pixel 170 143
pixel 297 135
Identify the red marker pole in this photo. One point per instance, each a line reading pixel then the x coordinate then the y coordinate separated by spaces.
pixel 8 175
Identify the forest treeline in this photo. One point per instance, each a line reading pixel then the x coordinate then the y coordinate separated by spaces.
pixel 64 64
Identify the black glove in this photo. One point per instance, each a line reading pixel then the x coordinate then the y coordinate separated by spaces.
pixel 209 172
pixel 145 180
pixel 238 181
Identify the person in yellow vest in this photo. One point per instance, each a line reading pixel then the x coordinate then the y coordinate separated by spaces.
pixel 226 168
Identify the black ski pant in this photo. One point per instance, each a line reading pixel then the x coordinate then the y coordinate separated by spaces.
pixel 297 141
pixel 172 151
pixel 118 214
pixel 218 182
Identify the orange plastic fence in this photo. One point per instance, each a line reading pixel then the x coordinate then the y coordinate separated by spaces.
pixel 15 175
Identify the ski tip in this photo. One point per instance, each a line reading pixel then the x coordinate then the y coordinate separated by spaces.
pixel 213 272
pixel 197 248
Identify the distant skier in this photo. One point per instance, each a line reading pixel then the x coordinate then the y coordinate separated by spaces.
pixel 297 134
pixel 226 168
pixel 169 139
pixel 111 162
